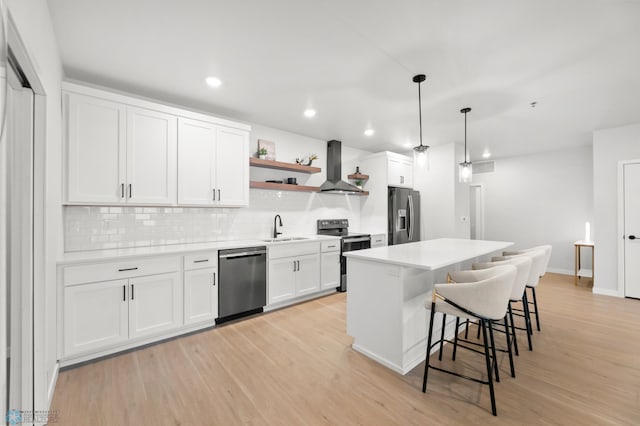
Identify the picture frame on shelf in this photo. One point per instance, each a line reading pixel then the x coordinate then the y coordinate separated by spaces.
pixel 270 148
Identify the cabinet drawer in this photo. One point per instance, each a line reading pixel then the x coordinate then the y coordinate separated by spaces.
pixel 201 260
pixel 378 240
pixel 122 269
pixel 333 245
pixel 294 249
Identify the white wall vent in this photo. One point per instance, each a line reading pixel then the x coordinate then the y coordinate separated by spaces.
pixel 484 167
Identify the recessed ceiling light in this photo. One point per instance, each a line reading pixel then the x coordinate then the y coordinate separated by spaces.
pixel 309 113
pixel 213 81
pixel 369 132
pixel 486 154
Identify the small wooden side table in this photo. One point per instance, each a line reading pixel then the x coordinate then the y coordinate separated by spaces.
pixel 578 245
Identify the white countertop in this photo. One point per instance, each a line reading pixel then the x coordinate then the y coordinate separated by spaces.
pixel 430 254
pixel 114 254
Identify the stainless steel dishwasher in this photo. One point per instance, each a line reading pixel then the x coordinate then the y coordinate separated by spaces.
pixel 242 282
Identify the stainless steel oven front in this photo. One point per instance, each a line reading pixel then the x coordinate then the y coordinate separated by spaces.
pixel 351 243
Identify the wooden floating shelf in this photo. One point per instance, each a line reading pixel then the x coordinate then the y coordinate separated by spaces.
pixel 289 187
pixel 279 165
pixel 283 186
pixel 358 176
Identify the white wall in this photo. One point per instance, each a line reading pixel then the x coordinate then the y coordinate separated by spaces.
pixel 444 201
pixel 91 228
pixel 35 29
pixel 609 147
pixel 544 198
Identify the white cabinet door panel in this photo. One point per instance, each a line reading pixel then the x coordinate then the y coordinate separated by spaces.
pixel 232 172
pixel 95 316
pixel 330 270
pixel 155 304
pixel 200 295
pixel 196 145
pixel 151 157
pixel 307 274
pixel 95 150
pixel 400 173
pixel 282 284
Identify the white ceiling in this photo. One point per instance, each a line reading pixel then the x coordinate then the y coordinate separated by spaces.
pixel 353 60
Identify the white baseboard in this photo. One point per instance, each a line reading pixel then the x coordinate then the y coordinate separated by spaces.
pixel 52 385
pixel 605 292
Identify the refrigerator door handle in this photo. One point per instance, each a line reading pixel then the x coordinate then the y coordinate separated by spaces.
pixel 410 218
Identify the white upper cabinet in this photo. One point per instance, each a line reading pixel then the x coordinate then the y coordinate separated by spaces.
pixel 196 162
pixel 400 171
pixel 232 167
pixel 213 164
pixel 122 150
pixel 151 157
pixel 95 134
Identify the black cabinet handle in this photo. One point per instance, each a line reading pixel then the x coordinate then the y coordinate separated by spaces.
pixel 122 190
pixel 130 191
pixel 219 195
pixel 632 237
pixel 124 293
pixel 131 291
pixel 200 261
pixel 214 194
pixel 128 269
pixel 214 279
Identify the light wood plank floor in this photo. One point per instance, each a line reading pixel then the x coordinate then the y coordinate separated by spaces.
pixel 295 367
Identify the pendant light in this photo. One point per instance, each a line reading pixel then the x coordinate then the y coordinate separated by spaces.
pixel 420 154
pixel 465 170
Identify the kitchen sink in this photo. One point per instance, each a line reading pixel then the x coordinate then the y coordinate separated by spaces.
pixel 281 240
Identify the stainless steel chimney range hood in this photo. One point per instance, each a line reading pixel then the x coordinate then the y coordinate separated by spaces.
pixel 334 183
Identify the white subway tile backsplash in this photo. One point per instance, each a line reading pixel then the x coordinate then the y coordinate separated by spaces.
pixel 96 228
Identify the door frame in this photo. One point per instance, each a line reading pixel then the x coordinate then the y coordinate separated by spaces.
pixel 39 307
pixel 620 236
pixel 480 186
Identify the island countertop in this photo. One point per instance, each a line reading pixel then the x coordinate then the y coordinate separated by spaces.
pixel 430 254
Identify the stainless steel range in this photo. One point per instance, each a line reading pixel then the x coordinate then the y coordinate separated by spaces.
pixel 349 242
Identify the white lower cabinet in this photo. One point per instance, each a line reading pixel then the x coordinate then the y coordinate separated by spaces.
pixel 200 295
pixel 146 300
pixel 95 316
pixel 155 304
pixel 330 272
pixel 293 276
pixel 307 274
pixel 378 240
pixel 282 280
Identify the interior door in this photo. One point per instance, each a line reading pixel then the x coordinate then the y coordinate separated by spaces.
pixel 632 230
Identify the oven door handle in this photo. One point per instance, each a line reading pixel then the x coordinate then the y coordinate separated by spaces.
pixel 357 240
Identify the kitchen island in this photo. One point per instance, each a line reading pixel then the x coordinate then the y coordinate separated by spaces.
pixel 387 288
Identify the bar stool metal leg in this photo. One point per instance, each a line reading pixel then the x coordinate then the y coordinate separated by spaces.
pixel 527 319
pixel 506 332
pixel 487 358
pixel 535 307
pixel 455 339
pixel 513 330
pixel 426 362
pixel 444 323
pixel 493 350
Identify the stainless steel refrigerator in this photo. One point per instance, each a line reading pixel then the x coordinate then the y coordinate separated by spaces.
pixel 404 216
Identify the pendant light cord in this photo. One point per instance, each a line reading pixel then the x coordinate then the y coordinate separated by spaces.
pixel 465 137
pixel 420 111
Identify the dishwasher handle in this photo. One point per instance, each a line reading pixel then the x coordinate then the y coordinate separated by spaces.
pixel 243 254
